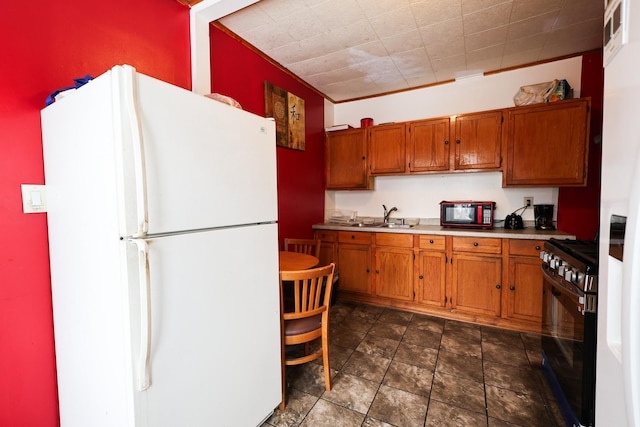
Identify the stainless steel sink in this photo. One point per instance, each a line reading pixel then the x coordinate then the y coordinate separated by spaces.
pixel 393 225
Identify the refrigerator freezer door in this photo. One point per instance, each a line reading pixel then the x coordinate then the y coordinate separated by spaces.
pixel 204 163
pixel 215 329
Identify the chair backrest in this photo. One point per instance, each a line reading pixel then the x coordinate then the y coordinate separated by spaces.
pixel 304 246
pixel 311 290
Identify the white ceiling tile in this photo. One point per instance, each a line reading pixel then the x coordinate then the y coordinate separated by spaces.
pixel 491 37
pixel 487 59
pixel 338 13
pixel 372 8
pixel 397 21
pixel 429 12
pixel 486 19
pixel 442 31
pixel 246 19
pixel 525 9
pixel 521 56
pixel 278 9
pixel 403 42
pixel 321 64
pixel 528 27
pixel 355 34
pixel 412 63
pixel 472 6
pixel 267 37
pixel 451 62
pixel 446 49
pixel 535 42
pixel 368 51
pixel 427 79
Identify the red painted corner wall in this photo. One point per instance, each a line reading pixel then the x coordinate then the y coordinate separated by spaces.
pixel 45 44
pixel 239 72
pixel 579 208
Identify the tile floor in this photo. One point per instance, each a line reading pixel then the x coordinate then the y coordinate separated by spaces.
pixel 395 368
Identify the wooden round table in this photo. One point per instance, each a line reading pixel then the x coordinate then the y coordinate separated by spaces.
pixel 296 261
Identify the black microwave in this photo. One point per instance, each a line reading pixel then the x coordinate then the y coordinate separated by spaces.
pixel 467 214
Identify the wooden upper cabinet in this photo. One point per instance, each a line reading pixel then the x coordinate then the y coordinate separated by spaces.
pixel 547 144
pixel 387 149
pixel 428 145
pixel 478 140
pixel 346 161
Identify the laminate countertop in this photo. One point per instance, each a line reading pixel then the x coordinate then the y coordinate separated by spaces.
pixel 529 232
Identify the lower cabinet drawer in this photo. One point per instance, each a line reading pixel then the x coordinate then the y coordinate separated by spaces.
pixel 485 245
pixel 354 237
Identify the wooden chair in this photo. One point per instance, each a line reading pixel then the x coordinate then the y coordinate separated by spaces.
pixel 305 246
pixel 308 319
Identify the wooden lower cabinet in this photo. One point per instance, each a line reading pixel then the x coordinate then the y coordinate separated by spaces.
pixel 477 283
pixel 354 262
pixel 328 239
pixel 430 270
pixel 393 260
pixel 523 298
pixel 489 281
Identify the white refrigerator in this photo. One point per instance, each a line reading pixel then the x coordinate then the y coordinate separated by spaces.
pixel 162 213
pixel 618 347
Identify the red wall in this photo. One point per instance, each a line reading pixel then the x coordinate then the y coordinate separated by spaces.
pixel 238 72
pixel 579 208
pixel 45 44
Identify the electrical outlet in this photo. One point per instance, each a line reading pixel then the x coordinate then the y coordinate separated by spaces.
pixel 528 201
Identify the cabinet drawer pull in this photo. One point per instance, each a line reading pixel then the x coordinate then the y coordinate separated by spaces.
pixel 537 247
pixel 431 241
pixel 475 243
pixel 353 236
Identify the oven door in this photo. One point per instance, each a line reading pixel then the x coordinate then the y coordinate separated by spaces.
pixel 568 344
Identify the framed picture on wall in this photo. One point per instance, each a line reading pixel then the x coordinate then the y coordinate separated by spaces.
pixel 288 112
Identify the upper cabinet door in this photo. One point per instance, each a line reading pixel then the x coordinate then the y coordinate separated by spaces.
pixel 547 144
pixel 428 145
pixel 387 149
pixel 346 161
pixel 478 140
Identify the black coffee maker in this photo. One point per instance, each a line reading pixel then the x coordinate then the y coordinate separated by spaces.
pixel 543 217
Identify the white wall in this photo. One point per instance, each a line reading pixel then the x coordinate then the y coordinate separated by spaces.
pixel 420 195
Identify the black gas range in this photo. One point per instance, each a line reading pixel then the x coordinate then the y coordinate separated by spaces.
pixel 570 299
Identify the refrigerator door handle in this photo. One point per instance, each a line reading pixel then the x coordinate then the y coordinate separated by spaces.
pixel 130 87
pixel 145 314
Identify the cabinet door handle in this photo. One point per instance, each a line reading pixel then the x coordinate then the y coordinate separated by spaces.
pixel 446 142
pixel 475 243
pixel 377 271
pixel 457 141
pixel 512 288
pixel 498 286
pixel 421 277
pixel 368 271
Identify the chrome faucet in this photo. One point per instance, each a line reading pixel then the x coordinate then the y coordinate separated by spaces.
pixel 387 213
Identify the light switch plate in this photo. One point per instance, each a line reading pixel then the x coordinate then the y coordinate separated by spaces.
pixel 34 198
